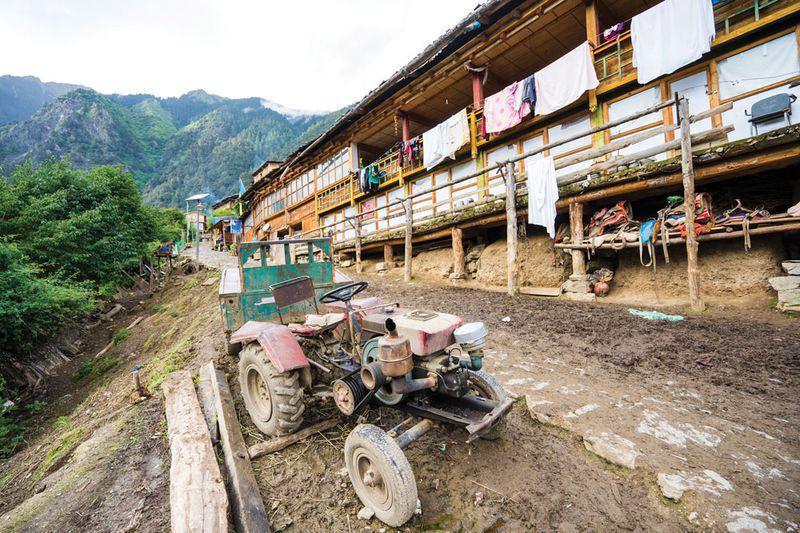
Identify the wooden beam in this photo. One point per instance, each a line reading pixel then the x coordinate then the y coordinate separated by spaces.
pixel 511 230
pixel 246 504
pixel 457 236
pixel 687 166
pixel 357 226
pixel 419 119
pixel 205 393
pixel 700 138
pixel 408 252
pixel 576 235
pixel 726 169
pixel 592 22
pixel 388 256
pixel 279 443
pixel 198 502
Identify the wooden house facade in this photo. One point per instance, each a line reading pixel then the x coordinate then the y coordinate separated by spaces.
pixel 753 56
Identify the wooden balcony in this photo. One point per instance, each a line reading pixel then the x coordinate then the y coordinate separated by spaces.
pixel 613 60
pixel 338 194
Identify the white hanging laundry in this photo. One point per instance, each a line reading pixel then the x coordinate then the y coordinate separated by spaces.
pixel 542 193
pixel 670 35
pixel 444 140
pixel 562 82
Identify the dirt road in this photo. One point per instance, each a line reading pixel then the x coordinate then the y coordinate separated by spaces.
pixel 706 407
pixel 710 403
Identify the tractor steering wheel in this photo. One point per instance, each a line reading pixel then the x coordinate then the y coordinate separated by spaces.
pixel 344 293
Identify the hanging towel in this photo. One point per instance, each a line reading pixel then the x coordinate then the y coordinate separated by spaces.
pixel 670 35
pixel 542 193
pixel 505 109
pixel 445 139
pixel 562 82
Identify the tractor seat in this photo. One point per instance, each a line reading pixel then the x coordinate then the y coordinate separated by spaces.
pixel 316 325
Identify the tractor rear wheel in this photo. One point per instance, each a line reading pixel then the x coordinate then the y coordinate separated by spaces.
pixel 484 385
pixel 274 400
pixel 381 474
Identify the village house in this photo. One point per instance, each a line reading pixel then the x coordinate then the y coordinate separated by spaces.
pixel 622 164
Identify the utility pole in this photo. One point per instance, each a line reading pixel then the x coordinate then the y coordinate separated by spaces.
pixel 197 232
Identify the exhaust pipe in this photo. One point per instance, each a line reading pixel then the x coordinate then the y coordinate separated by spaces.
pixel 405 386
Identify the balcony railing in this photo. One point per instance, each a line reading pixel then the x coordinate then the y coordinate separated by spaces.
pixel 614 60
pixel 336 195
pixel 733 14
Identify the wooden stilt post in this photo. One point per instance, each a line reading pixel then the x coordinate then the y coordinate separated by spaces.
pixel 407 272
pixel 576 235
pixel 695 301
pixel 511 230
pixel 388 256
pixel 357 226
pixel 458 253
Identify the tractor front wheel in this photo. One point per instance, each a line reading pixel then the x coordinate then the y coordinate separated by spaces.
pixel 484 385
pixel 381 474
pixel 274 400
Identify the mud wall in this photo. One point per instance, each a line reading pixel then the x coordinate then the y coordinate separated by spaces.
pixel 727 273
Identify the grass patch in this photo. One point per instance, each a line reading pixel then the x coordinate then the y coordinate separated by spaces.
pixel 159 308
pixel 120 335
pixel 191 284
pixel 174 359
pixel 150 341
pixel 173 313
pixel 56 452
pixel 62 423
pixel 94 367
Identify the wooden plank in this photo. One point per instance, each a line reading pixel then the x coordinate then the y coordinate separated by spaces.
pixel 278 443
pixel 511 230
pixel 198 502
pixel 205 394
pixel 246 503
pixel 541 291
pixel 699 138
pixel 576 235
pixel 687 165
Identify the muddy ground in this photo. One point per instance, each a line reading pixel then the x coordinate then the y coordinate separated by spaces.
pixel 105 468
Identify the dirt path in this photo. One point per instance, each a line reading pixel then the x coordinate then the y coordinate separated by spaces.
pixel 706 407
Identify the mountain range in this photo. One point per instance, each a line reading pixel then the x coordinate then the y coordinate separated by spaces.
pixel 174 147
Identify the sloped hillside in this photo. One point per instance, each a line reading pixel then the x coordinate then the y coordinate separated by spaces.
pixel 174 147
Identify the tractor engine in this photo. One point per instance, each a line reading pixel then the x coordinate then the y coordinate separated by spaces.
pixel 419 351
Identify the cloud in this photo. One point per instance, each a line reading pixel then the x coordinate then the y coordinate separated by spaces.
pixel 304 54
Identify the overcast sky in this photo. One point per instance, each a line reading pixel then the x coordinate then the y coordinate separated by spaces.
pixel 307 54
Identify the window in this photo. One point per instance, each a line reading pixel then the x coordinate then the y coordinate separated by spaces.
pixel 633 104
pixel 421 205
pixel 275 201
pixel 465 192
pixel 333 169
pixel 300 188
pixel 695 89
pixel 742 76
pixel 495 182
pixel 758 67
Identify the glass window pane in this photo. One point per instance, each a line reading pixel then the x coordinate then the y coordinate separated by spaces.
pixel 762 65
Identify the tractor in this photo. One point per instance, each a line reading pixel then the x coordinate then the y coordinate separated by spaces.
pixel 295 321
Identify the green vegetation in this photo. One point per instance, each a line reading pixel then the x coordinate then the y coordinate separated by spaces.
pixel 173 147
pixel 120 335
pixel 159 308
pixel 62 423
pixel 67 238
pixel 94 367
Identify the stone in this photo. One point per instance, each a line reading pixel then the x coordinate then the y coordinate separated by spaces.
pixel 345 264
pixel 474 253
pixel 791 267
pixel 783 283
pixel 613 448
pixel 789 296
pixel 453 275
pixel 580 296
pixel 365 513
pixel 380 267
pixel 672 486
